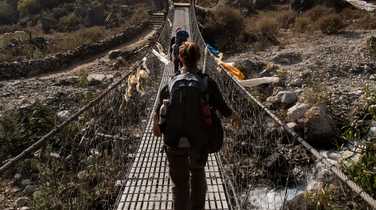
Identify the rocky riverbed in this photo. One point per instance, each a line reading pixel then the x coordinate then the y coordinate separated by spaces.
pixel 314 70
pixel 325 84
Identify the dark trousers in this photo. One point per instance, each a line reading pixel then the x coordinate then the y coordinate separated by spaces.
pixel 187 172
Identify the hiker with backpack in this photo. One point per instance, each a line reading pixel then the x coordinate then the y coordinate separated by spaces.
pixel 186 115
pixel 176 41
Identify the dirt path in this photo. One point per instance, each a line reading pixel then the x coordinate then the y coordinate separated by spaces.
pixel 62 89
pixel 140 41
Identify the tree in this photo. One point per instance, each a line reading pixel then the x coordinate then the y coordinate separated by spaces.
pixel 48 22
pixel 70 22
pixel 95 15
pixel 7 14
pixel 50 3
pixel 28 7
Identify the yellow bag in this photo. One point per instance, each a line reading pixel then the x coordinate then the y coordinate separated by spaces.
pixel 233 71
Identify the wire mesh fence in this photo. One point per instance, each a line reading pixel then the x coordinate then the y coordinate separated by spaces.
pixel 78 163
pixel 267 165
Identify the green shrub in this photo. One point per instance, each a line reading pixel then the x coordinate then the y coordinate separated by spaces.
pixel 318 12
pixel 69 22
pixel 316 95
pixel 60 12
pixel 367 21
pixel 28 7
pixel 8 14
pixel 302 24
pixel 286 18
pixel 68 41
pixel 331 24
pixel 83 81
pixel 91 35
pixel 371 44
pixel 352 13
pixel 95 15
pixel 321 199
pixel 230 19
pixel 9 28
pixel 48 23
pixel 261 4
pixel 266 25
pixel 139 14
pixel 50 3
pixel 19 129
pixel 363 171
pixel 224 27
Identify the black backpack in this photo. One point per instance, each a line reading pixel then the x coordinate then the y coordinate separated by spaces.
pixel 189 115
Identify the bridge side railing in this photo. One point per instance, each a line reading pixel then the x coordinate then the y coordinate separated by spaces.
pixel 164 40
pixel 76 164
pixel 265 162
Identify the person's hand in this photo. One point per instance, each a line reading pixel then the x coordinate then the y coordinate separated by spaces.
pixel 235 120
pixel 157 130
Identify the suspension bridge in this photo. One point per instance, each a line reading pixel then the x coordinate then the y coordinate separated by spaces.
pixel 146 183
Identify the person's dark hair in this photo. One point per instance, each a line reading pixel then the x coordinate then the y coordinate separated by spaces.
pixel 189 53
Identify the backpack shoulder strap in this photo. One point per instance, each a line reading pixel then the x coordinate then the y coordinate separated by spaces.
pixel 205 87
pixel 205 83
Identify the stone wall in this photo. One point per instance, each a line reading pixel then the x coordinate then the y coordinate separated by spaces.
pixel 28 68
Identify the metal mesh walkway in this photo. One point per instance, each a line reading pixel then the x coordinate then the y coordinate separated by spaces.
pixel 148 185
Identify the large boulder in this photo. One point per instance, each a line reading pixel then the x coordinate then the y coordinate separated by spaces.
pixel 250 67
pixel 296 112
pixel 17 177
pixel 371 133
pixel 114 54
pixel 26 182
pixel 30 189
pixel 97 79
pixel 296 82
pixel 350 158
pixel 63 115
pixel 70 80
pixel 372 130
pixel 284 98
pixel 22 201
pixel 288 97
pixel 83 175
pixel 319 127
pixel 277 165
pixel 315 186
pixel 274 101
pixel 297 203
